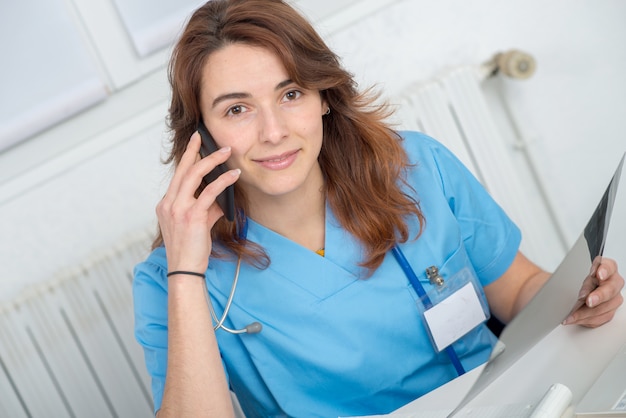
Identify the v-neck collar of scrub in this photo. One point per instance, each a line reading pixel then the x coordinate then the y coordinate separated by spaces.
pixel 343 253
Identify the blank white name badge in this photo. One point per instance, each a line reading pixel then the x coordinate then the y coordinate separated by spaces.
pixel 454 316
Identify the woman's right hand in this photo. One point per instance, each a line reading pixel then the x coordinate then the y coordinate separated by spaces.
pixel 186 221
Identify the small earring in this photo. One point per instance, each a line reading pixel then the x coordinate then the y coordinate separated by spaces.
pixel 327 111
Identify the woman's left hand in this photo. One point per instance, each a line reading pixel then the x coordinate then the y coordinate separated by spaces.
pixel 600 295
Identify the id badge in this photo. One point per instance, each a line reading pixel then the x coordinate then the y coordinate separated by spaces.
pixel 457 308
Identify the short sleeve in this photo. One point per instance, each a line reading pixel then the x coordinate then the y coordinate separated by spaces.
pixel 490 237
pixel 150 307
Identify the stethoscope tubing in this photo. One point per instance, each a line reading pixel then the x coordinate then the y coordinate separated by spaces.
pixel 252 328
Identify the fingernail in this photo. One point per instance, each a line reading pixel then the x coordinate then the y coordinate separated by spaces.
pixel 568 320
pixel 236 172
pixel 601 274
pixel 224 149
pixel 591 301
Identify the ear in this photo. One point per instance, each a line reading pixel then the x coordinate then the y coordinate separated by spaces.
pixel 325 107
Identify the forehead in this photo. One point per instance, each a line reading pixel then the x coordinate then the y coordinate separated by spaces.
pixel 240 66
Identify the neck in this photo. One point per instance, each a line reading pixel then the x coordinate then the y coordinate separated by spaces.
pixel 298 216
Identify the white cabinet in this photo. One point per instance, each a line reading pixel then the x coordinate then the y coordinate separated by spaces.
pixel 153 24
pixel 132 38
pixel 47 73
pixel 61 57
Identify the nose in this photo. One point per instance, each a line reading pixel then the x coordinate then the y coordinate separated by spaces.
pixel 273 125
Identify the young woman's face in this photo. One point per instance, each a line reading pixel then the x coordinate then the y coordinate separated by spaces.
pixel 273 126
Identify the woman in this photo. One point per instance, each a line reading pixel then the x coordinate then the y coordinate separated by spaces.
pixel 330 202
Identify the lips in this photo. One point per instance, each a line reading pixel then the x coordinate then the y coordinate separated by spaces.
pixel 278 162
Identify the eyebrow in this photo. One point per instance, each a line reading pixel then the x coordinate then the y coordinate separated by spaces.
pixel 229 96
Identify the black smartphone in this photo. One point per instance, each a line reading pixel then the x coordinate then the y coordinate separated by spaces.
pixel 226 199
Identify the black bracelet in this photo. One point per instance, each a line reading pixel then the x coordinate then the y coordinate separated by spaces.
pixel 188 273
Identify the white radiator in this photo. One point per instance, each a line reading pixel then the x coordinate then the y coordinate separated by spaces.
pixel 453 109
pixel 67 347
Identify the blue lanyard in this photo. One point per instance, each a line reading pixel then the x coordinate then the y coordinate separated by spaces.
pixel 421 293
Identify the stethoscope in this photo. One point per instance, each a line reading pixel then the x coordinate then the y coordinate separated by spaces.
pixel 256 327
pixel 252 328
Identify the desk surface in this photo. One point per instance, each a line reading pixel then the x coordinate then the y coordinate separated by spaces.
pixel 571 355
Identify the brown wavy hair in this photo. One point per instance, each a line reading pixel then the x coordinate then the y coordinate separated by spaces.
pixel 361 158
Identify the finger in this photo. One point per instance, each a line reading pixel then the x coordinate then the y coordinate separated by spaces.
pixel 189 157
pixel 606 269
pixel 606 290
pixel 211 191
pixel 597 320
pixel 593 317
pixel 589 284
pixel 610 282
pixel 190 183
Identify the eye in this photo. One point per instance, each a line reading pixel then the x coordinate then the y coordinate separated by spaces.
pixel 292 95
pixel 236 110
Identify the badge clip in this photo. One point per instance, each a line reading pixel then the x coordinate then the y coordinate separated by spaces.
pixel 433 275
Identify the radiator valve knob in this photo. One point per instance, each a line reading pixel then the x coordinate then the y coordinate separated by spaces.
pixel 515 64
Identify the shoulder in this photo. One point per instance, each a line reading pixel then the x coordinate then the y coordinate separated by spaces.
pixel 424 149
pixel 431 161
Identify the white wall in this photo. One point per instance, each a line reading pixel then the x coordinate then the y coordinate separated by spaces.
pixel 93 194
pixel 572 111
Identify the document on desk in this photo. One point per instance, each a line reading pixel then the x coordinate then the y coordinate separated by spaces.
pixel 564 292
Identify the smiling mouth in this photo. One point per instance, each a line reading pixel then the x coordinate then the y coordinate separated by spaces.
pixel 278 162
pixel 276 158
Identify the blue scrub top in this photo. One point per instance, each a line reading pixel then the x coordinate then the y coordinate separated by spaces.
pixel 334 342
